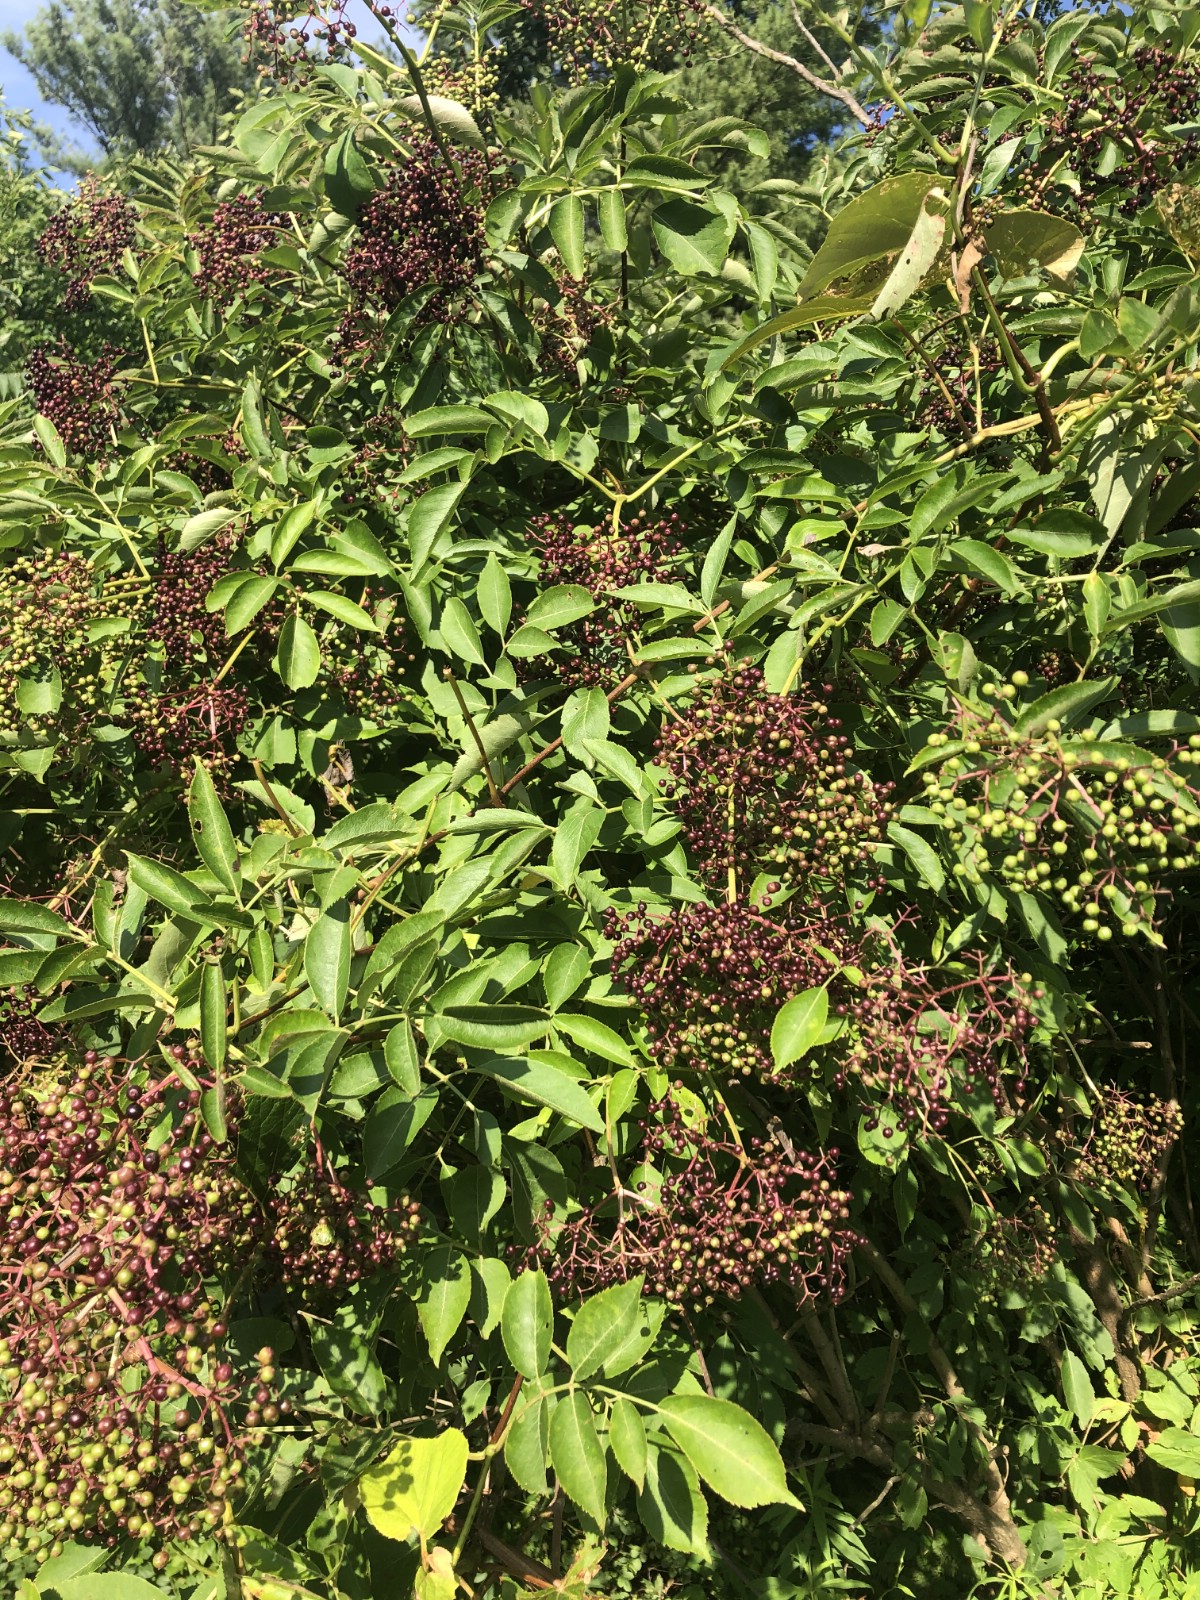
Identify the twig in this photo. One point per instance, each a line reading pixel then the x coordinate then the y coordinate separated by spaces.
pixel 812 39
pixel 494 793
pixel 876 1503
pixel 1185 1286
pixel 273 798
pixel 822 85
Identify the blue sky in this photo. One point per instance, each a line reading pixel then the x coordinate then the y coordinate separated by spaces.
pixel 20 91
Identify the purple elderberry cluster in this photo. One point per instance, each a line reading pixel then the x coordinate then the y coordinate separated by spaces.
pixel 87 239
pixel 906 1039
pixel 964 369
pixel 422 231
pixel 768 782
pixel 707 1220
pixel 206 719
pixel 602 559
pixel 1129 125
pixel 295 39
pixel 230 248
pixel 81 398
pixel 23 1036
pixel 185 708
pixel 382 454
pixel 122 1414
pixel 325 1236
pixel 190 635
pixel 568 326
pixel 710 980
pixel 916 1036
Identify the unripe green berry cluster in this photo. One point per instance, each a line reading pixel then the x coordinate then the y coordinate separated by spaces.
pixel 1127 1141
pixel 1013 1252
pixel 1099 829
pixel 589 38
pixel 56 675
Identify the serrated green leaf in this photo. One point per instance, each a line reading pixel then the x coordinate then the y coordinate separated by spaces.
pixel 445 1293
pixel 298 652
pixel 733 1453
pixel 627 1438
pixel 798 1026
pixel 527 1323
pixel 577 1455
pixel 605 1320
pixel 211 833
pixel 327 952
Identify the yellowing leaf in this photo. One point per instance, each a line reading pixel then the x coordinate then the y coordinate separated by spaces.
pixel 414 1489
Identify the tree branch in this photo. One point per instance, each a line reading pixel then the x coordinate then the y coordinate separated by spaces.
pixel 833 91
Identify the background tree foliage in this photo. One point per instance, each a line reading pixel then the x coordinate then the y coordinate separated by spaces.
pixel 139 76
pixel 601 824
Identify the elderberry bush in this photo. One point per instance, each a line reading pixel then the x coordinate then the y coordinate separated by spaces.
pixel 599 823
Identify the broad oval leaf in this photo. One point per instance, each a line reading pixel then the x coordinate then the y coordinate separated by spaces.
pixel 733 1453
pixel 577 1455
pixel 604 1321
pixel 798 1026
pixel 527 1322
pixel 416 1486
pixel 327 952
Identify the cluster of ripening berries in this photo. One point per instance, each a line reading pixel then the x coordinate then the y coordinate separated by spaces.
pixel 189 636
pixel 183 708
pixel 1013 1252
pixel 710 981
pixel 567 327
pixel 459 69
pixel 121 1414
pixel 1128 110
pixel 326 1237
pixel 81 398
pixel 1096 828
pixel 86 239
pixel 230 248
pixel 205 720
pixel 916 1036
pixel 422 231
pixel 297 39
pixel 966 371
pixel 717 1222
pixel 54 677
pixel 588 38
pixel 23 1036
pixel 767 782
pixel 371 671
pixel 382 453
pixel 600 560
pixel 1127 1141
